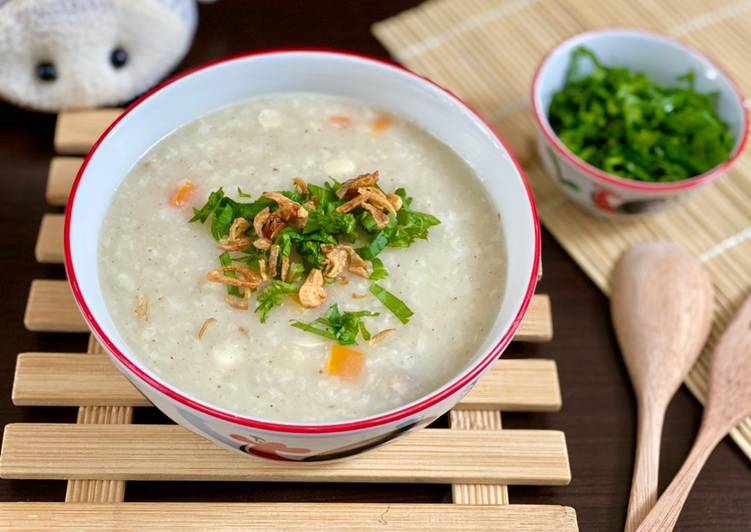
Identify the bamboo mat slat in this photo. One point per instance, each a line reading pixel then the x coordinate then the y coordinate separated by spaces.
pixel 291 517
pixel 486 52
pixel 69 379
pixel 170 452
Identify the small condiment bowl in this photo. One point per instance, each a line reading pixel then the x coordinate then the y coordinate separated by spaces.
pixel 663 59
pixel 231 81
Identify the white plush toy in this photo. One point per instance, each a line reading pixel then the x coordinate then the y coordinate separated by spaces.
pixel 57 54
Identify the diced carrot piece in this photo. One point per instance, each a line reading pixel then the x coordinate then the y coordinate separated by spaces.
pixel 345 363
pixel 184 189
pixel 381 123
pixel 340 121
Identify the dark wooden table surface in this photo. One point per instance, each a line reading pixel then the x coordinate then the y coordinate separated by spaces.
pixel 598 413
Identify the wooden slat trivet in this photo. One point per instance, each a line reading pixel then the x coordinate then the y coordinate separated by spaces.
pixel 292 517
pixel 68 379
pixel 86 490
pixel 478 463
pixel 171 452
pixel 51 308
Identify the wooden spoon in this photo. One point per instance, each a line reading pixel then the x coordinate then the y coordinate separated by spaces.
pixel 661 303
pixel 728 402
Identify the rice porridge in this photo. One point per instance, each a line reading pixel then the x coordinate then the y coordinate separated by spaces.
pixel 394 322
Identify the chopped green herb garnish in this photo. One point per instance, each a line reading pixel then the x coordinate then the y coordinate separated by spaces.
pixel 272 295
pixel 340 326
pixel 628 125
pixel 296 272
pixel 222 221
pixel 295 237
pixel 397 307
pixel 376 245
pixel 313 330
pixel 379 271
pixel 411 225
pixel 333 222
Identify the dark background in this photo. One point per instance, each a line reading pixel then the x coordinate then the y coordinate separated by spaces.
pixel 598 413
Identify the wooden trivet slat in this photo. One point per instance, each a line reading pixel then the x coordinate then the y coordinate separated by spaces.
pixel 49 246
pixel 77 131
pixel 51 308
pixel 60 178
pixel 86 490
pixel 291 517
pixel 477 493
pixel 69 379
pixel 171 452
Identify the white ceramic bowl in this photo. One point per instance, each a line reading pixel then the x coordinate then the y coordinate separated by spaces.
pixel 229 82
pixel 663 59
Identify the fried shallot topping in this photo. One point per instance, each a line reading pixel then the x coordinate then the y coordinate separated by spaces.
pixel 357 264
pixel 262 243
pixel 238 245
pixel 285 268
pixel 205 326
pixel 268 224
pixel 260 220
pixel 349 187
pixel 240 303
pixel 301 185
pixel 377 198
pixel 289 210
pixel 376 338
pixel 395 200
pixel 381 219
pixel 337 258
pixel 343 280
pixel 273 260
pixel 141 310
pixel 236 241
pixel 363 194
pixel 312 293
pixel 351 204
pixel 244 276
pixel 359 295
pixel 238 228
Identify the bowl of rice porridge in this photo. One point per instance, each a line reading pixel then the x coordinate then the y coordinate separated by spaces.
pixel 301 255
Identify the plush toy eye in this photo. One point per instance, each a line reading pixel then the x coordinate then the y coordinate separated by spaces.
pixel 118 57
pixel 46 71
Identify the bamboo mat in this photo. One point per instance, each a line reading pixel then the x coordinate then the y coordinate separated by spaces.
pixel 486 51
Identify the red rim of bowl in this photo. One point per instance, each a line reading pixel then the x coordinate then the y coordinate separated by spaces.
pixel 611 179
pixel 428 401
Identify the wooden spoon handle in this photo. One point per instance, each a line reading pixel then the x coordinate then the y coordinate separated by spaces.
pixel 646 465
pixel 664 515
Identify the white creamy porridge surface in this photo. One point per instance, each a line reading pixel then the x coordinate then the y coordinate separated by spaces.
pixel 150 254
